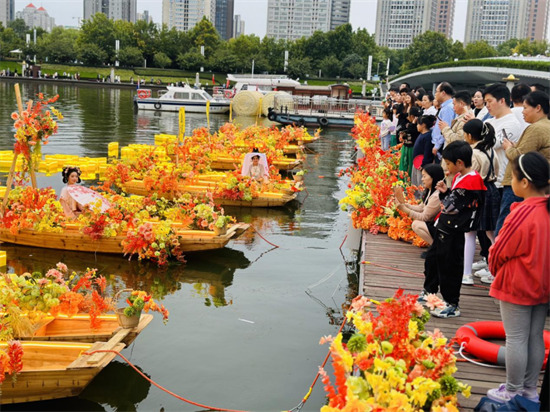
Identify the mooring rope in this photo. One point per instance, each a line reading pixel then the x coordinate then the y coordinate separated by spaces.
pixel 259 234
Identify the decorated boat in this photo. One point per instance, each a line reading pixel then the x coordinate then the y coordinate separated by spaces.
pixel 78 328
pixel 261 199
pixel 71 238
pixel 174 98
pixel 54 370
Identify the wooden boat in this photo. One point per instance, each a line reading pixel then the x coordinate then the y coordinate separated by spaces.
pixel 53 370
pixel 77 329
pixel 72 239
pixel 264 199
pixel 229 163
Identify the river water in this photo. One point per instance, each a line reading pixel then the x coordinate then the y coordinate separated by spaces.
pixel 245 321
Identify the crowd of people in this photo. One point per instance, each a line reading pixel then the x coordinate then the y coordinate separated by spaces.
pixel 483 160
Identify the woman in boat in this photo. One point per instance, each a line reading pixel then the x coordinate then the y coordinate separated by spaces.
pixel 71 176
pixel 257 171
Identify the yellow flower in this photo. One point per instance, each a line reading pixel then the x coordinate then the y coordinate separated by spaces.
pixel 413 329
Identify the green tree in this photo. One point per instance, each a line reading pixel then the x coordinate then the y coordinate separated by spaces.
pixel 130 57
pixel 19 27
pixel 316 46
pixel 356 70
pixel 91 54
pixel 349 61
pixel 99 31
pixel 531 48
pixel 191 60
pixel 145 35
pixel 274 51
pixel 299 68
pixel 479 49
pixel 223 60
pixel 364 44
pixel 162 60
pixel 340 40
pixel 331 66
pixel 9 41
pixel 457 51
pixel 427 48
pixel 244 48
pixel 58 46
pixel 204 34
pixel 506 48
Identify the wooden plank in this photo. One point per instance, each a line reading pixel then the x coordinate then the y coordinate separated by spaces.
pixel 394 265
pixel 110 345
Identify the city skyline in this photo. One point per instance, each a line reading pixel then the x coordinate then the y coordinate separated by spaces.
pixel 254 12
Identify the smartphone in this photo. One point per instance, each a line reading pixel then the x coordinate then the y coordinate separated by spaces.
pixel 504 134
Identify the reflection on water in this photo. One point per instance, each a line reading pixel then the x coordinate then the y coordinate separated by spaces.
pixel 243 333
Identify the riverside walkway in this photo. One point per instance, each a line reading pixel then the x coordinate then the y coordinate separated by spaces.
pixel 392 265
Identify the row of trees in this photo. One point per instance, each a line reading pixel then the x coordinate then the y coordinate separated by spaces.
pixel 340 52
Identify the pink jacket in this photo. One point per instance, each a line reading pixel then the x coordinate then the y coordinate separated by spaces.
pixel 520 257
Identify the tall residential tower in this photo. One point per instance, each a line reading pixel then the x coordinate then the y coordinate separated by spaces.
pixel 224 18
pixel 293 19
pixel 398 22
pixel 7 12
pixel 113 9
pixel 498 21
pixel 185 14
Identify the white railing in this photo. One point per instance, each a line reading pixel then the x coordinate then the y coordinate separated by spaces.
pixel 325 105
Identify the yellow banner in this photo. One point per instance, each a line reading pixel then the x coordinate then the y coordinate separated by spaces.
pixel 208 113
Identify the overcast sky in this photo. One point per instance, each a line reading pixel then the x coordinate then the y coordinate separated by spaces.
pixel 253 12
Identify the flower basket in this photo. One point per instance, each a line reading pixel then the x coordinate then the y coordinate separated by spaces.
pixel 128 322
pixel 219 231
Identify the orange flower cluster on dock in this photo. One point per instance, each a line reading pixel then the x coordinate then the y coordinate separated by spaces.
pixel 370 197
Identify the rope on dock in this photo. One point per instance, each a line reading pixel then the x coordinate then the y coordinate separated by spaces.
pixel 181 398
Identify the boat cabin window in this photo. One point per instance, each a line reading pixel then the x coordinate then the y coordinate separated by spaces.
pixel 181 96
pixel 197 96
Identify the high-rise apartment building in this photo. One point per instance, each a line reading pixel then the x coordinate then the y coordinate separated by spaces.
pixel 238 26
pixel 398 22
pixel 293 19
pixel 34 17
pixel 144 16
pixel 339 14
pixel 113 9
pixel 7 11
pixel 224 18
pixel 498 21
pixel 185 14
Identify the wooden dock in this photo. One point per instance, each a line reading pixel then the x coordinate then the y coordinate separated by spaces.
pixel 392 265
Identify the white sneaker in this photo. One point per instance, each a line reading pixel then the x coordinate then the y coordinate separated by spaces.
pixel 487 279
pixel 480 264
pixel 467 280
pixel 482 272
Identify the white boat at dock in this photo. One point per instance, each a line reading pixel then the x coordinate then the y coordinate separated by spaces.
pixel 175 97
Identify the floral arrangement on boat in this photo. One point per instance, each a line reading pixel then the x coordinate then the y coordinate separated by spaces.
pixel 371 191
pixel 149 225
pixel 26 299
pixel 33 127
pixel 391 362
pixel 139 301
pixel 11 360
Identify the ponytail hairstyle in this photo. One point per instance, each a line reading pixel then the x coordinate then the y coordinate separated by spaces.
pixel 435 171
pixel 484 133
pixel 535 168
pixel 68 170
pixel 427 120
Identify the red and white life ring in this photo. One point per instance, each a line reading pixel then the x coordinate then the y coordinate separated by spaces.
pixel 472 336
pixel 143 93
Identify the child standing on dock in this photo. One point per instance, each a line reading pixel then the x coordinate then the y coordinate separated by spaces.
pixel 520 261
pixel 445 259
pixel 386 128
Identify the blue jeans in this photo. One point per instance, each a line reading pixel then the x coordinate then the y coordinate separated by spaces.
pixel 508 197
pixel 386 141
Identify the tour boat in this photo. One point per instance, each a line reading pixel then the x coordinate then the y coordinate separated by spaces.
pixel 54 370
pixel 175 97
pixel 72 239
